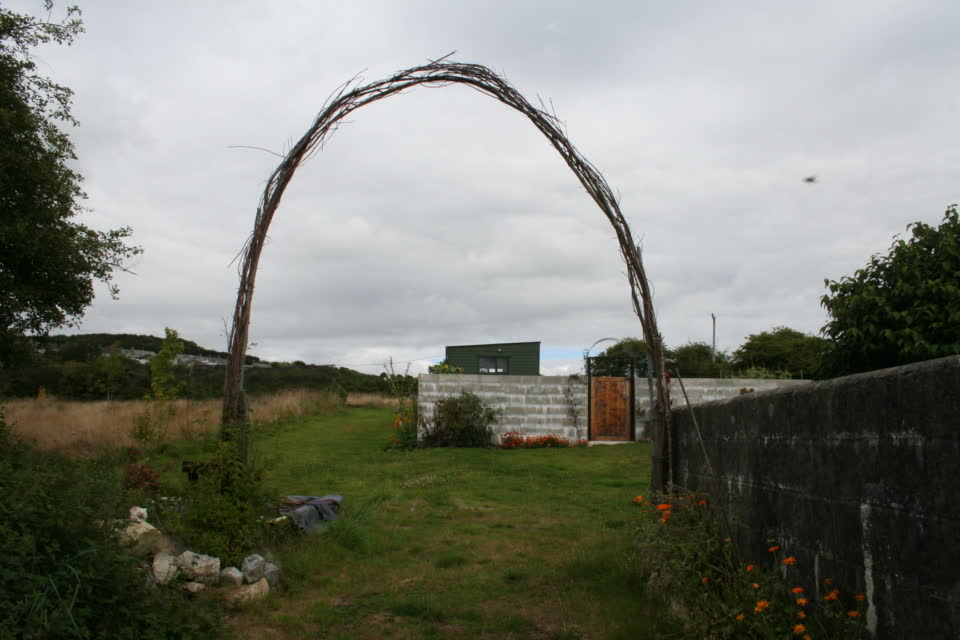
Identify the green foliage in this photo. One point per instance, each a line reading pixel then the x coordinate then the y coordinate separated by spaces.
pixel 48 262
pixel 615 360
pixel 900 308
pixel 782 350
pixel 460 421
pixel 64 572
pixel 225 509
pixel 690 564
pixel 405 435
pixel 96 375
pixel 150 428
pixel 697 360
pixel 444 367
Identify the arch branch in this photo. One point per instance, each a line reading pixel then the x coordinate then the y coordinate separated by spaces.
pixel 351 96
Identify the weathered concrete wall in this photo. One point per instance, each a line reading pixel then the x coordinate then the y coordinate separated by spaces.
pixel 557 405
pixel 531 405
pixel 702 390
pixel 854 477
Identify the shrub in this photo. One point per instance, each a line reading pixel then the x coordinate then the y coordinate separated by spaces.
pixel 224 510
pixel 460 421
pixel 63 571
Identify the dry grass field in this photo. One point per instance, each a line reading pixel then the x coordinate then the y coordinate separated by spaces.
pixel 88 428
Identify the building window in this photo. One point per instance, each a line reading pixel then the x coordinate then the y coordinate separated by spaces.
pixel 493 364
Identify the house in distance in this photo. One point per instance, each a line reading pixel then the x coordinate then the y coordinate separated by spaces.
pixel 507 358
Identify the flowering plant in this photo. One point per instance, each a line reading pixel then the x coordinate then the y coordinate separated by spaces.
pixel 513 440
pixel 686 555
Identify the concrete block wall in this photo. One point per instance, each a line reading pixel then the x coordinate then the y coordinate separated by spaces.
pixel 539 405
pixel 854 477
pixel 531 405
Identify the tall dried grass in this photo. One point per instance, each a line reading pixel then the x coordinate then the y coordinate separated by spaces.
pixel 89 428
pixel 371 400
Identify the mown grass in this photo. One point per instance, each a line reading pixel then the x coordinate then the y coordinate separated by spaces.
pixel 450 543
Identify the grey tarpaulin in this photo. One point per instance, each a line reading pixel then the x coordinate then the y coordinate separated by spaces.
pixel 311 513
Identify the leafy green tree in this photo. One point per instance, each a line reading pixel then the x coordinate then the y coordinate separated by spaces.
pixel 697 360
pixel 48 261
pixel 615 360
pixel 901 307
pixel 784 350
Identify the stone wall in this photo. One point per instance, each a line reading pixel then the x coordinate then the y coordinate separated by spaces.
pixel 852 476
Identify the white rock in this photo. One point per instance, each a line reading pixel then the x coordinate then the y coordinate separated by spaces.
pixel 199 567
pixel 253 567
pixel 143 537
pixel 164 567
pixel 231 575
pixel 138 514
pixel 194 587
pixel 272 573
pixel 254 591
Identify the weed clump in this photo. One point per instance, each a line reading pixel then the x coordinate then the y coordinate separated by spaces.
pixel 694 570
pixel 64 572
pixel 460 421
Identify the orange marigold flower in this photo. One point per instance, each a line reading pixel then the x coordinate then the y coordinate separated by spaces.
pixel 740 616
pixel 853 614
pixel 802 602
pixel 756 586
pixel 663 507
pixel 665 517
pixel 772 549
pixel 860 597
pixel 750 567
pixel 799 628
pixel 638 499
pixel 801 615
pixel 789 561
pixel 761 605
pixel 797 590
pixel 833 595
pixel 702 503
pixel 704 579
pixel 806 636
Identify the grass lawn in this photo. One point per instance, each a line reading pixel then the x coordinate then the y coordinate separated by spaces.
pixel 451 543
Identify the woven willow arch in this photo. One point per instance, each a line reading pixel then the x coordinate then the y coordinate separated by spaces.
pixel 350 97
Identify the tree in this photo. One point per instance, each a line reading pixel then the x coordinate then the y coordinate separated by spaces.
pixel 784 350
pixel 697 360
pixel 900 308
pixel 48 261
pixel 615 359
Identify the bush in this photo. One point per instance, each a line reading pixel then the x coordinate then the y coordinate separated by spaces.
pixel 64 572
pixel 225 509
pixel 460 421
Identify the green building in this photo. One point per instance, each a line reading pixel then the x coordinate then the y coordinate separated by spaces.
pixel 508 358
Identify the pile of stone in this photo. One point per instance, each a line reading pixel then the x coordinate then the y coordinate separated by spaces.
pixel 172 561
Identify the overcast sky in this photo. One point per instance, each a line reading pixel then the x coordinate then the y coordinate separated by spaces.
pixel 442 217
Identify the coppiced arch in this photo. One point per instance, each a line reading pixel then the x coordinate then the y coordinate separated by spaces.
pixel 351 96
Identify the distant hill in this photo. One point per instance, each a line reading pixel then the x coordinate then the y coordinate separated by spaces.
pixel 100 366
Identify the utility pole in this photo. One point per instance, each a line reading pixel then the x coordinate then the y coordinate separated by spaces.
pixel 713 347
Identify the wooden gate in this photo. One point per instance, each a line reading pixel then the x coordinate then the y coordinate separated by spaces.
pixel 611 417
